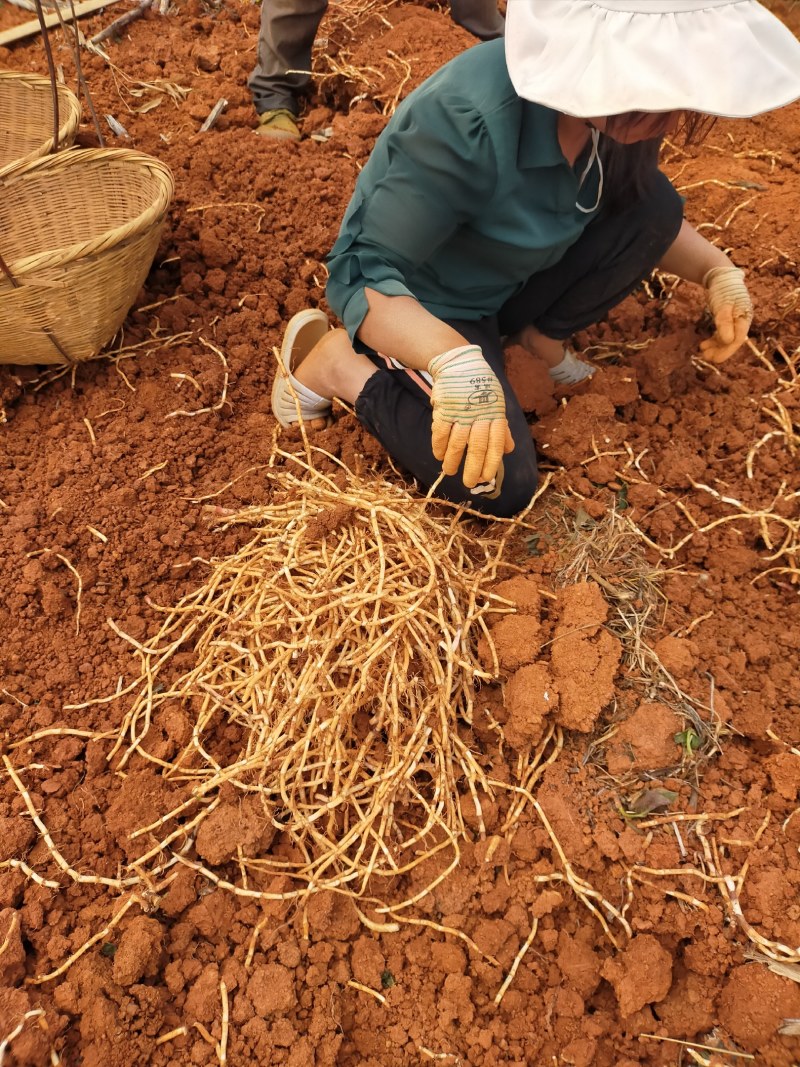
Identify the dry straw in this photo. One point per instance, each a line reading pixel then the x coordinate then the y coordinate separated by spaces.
pixel 334 673
pixel 39 1015
pixel 385 84
pixel 774 520
pixel 328 674
pixel 608 551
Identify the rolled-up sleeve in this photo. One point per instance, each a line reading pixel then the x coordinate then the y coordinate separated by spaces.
pixel 431 170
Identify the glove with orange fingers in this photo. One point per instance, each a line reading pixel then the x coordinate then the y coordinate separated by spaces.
pixel 469 414
pixel 730 304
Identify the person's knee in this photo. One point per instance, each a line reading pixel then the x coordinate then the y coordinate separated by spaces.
pixel 336 341
pixel 519 483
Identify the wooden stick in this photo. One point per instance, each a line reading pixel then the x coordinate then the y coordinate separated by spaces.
pixel 215 113
pixel 121 22
pixel 28 29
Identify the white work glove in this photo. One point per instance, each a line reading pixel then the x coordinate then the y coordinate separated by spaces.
pixel 730 304
pixel 469 413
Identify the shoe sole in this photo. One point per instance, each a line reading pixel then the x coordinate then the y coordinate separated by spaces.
pixel 297 324
pixel 278 135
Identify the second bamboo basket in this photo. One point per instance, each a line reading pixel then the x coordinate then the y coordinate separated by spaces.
pixel 26 117
pixel 78 233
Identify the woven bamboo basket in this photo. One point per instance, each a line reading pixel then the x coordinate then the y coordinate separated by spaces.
pixel 26 117
pixel 78 233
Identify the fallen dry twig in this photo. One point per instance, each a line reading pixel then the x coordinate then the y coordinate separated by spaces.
pixel 121 22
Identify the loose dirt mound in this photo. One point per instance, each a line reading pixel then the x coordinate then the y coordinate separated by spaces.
pixel 100 474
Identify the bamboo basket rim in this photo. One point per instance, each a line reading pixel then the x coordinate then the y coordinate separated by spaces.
pixel 69 119
pixel 81 157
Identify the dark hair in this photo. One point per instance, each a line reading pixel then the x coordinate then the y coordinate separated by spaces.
pixel 629 168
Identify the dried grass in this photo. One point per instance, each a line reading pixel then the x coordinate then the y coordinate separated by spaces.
pixel 693 1048
pixel 773 514
pixel 333 678
pixel 781 958
pixel 610 552
pixel 41 1021
pixel 338 645
pixel 775 520
pixel 385 83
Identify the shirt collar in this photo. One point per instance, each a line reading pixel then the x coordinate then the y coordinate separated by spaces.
pixel 538 138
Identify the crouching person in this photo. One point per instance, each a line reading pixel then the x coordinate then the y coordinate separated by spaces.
pixel 516 195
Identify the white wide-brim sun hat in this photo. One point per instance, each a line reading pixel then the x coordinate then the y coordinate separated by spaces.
pixel 605 57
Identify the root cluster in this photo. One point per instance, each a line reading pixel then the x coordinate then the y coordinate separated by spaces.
pixel 332 681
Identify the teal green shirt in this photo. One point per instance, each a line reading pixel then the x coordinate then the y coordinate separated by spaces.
pixel 465 196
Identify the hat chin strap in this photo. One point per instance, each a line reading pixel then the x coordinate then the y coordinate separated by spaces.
pixel 594 155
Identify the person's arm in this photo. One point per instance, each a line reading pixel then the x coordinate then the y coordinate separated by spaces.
pixel 430 173
pixel 434 169
pixel 691 256
pixel 469 413
pixel 401 328
pixel 695 259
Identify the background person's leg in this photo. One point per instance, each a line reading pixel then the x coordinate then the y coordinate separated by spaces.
pixel 285 40
pixel 395 407
pixel 480 17
pixel 613 255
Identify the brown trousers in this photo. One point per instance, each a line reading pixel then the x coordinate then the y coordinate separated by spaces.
pixel 288 30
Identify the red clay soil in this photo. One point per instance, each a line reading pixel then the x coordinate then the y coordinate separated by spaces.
pixel 95 477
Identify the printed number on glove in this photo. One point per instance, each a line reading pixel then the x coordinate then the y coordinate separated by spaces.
pixel 730 304
pixel 469 415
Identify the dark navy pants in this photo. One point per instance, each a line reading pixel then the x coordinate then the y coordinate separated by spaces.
pixel 288 30
pixel 610 259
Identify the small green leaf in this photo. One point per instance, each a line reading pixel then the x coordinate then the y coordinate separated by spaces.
pixel 688 740
pixel 387 980
pixel 622 497
pixel 108 950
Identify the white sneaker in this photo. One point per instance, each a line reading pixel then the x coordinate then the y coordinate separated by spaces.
pixel 571 370
pixel 305 329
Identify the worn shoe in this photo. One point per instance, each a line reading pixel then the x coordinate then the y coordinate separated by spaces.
pixel 305 329
pixel 278 125
pixel 571 370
